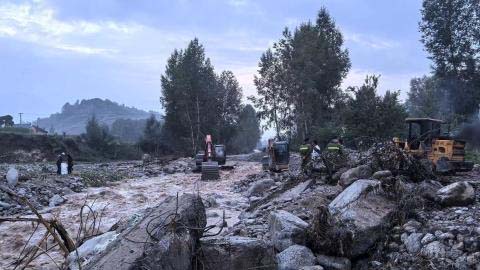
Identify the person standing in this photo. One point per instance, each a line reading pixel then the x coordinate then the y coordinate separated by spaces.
pixel 305 153
pixel 70 163
pixel 316 151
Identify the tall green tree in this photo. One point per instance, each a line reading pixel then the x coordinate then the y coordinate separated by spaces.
pixel 197 101
pixel 451 34
pixel 372 116
pixel 189 96
pixel 299 79
pixel 272 101
pixel 230 99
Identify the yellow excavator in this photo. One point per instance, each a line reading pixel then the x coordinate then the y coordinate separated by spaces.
pixel 278 156
pixel 426 141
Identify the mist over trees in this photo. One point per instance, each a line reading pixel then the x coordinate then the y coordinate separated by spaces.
pixel 128 130
pixel 451 35
pixel 198 102
pixel 151 140
pixel 248 132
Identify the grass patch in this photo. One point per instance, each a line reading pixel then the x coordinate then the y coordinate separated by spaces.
pixel 101 178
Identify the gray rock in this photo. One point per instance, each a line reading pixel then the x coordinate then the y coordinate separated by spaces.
pixel 427 239
pixel 286 229
pixel 295 257
pixel 55 200
pixel 365 211
pixel 456 194
pixel 353 174
pixel 445 236
pixel 12 177
pixel 237 253
pixel 294 192
pixel 351 194
pixel 434 250
pixel 428 189
pixel 334 263
pixel 412 226
pixel 413 242
pixel 173 248
pixel 258 188
pixel 382 174
pixel 314 267
pixel 210 202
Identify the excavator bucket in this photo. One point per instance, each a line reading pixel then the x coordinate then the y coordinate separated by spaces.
pixel 210 170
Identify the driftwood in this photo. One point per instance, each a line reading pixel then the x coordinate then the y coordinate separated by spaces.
pixel 54 228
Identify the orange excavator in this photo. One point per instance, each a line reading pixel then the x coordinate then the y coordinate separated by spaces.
pixel 209 160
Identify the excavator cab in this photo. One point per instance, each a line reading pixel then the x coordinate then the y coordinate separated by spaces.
pixel 211 159
pixel 220 154
pixel 210 168
pixel 278 156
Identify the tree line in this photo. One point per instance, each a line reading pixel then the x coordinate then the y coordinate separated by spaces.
pixel 451 35
pixel 197 101
pixel 299 79
pixel 299 89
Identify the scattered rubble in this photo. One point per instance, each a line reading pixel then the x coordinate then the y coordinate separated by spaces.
pixel 387 212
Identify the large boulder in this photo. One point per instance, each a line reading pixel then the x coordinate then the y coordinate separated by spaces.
pixel 258 188
pixel 334 263
pixel 286 229
pixel 352 194
pixel 295 257
pixel 456 194
pixel 165 238
pixel 353 174
pixel 237 253
pixel 365 212
pixel 428 189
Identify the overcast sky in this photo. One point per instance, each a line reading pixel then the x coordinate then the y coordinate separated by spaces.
pixel 57 51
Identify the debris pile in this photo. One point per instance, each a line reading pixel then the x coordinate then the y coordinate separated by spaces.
pixel 387 211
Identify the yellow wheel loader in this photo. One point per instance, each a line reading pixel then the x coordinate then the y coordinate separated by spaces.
pixel 426 141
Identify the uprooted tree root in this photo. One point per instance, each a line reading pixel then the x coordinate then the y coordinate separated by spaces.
pixel 56 237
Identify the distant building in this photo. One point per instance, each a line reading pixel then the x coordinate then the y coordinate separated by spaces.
pixel 27 125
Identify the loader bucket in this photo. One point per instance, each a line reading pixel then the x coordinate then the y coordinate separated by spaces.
pixel 210 170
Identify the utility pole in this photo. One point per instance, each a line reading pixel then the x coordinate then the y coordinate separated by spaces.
pixel 20 117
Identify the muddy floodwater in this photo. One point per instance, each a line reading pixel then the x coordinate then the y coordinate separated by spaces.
pixel 124 199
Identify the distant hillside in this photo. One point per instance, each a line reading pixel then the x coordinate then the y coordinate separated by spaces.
pixel 73 117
